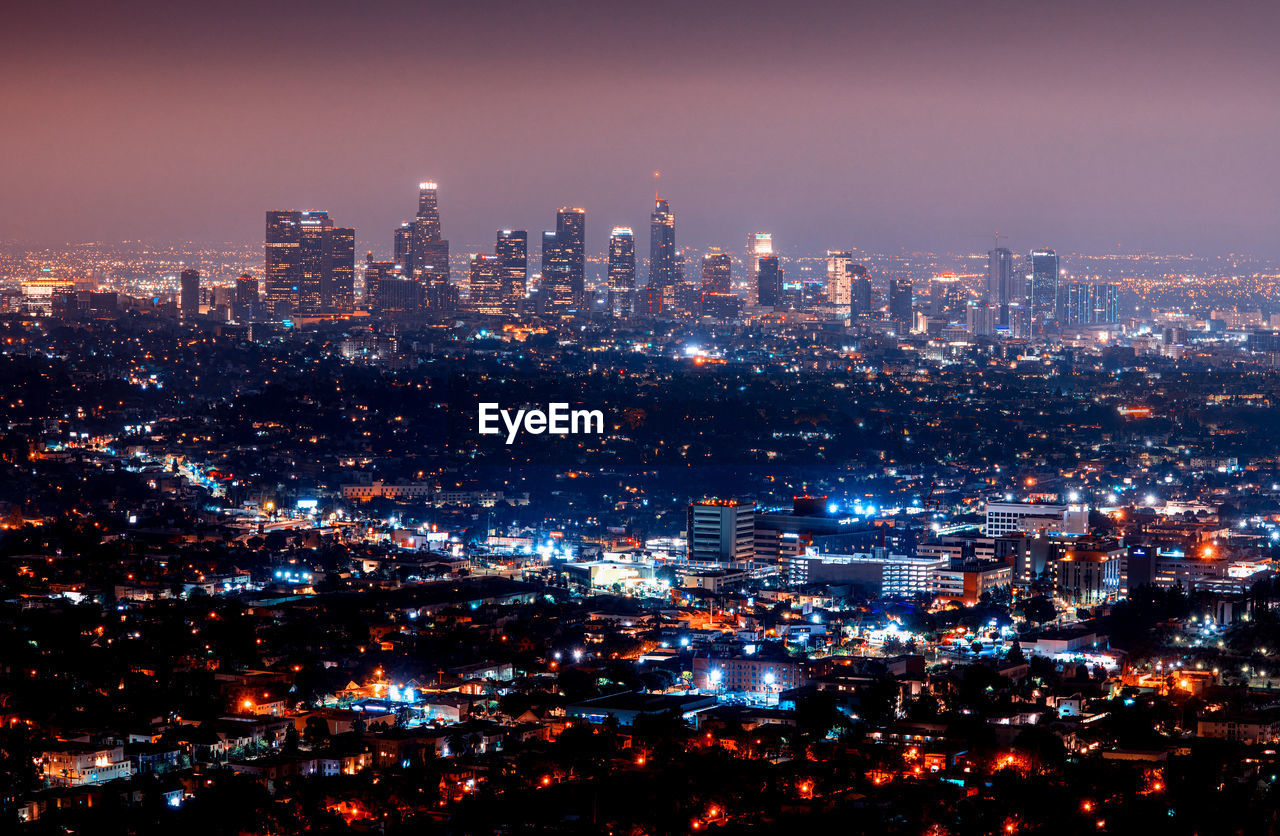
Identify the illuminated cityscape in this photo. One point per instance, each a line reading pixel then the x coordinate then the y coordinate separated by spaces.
pixel 883 522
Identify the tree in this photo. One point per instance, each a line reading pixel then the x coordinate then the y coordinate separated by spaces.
pixel 1040 609
pixel 316 732
pixel 1042 746
pixel 816 714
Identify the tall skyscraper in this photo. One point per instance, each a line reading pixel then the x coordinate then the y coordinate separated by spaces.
pixel 404 245
pixel 564 263
pixel 946 295
pixel 717 272
pixel 840 284
pixel 622 272
pixel 900 304
pixel 1000 288
pixel 310 264
pixel 246 307
pixel 338 287
pixel 860 296
pixel 489 288
pixel 1106 303
pixel 376 272
pixel 769 282
pixel 428 218
pixel 326 266
pixel 717 297
pixel 980 319
pixel 314 257
pixel 423 251
pixel 1075 303
pixel 189 297
pixel 1044 285
pixel 283 261
pixel 512 250
pixel 759 245
pixel 664 272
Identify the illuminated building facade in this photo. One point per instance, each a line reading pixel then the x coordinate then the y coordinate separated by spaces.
pixel 424 252
pixel 283 261
pixel 759 245
pixel 721 531
pixel 749 673
pixel 564 263
pixel 246 300
pixel 664 272
pixel 1044 285
pixel 512 251
pixel 310 264
pixel 622 272
pixel 488 285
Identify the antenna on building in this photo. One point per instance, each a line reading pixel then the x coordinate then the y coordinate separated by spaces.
pixel 656 175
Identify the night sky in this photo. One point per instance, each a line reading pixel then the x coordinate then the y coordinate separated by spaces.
pixel 1087 126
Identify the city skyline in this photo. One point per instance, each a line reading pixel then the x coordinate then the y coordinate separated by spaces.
pixel 639 419
pixel 1139 129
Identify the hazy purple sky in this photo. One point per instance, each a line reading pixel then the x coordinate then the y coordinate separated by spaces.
pixel 1079 125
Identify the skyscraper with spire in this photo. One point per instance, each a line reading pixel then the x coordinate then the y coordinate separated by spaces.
pixel 664 272
pixel 423 252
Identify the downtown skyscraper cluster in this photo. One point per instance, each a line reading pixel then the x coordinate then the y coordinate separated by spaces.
pixel 310 272
pixel 310 264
